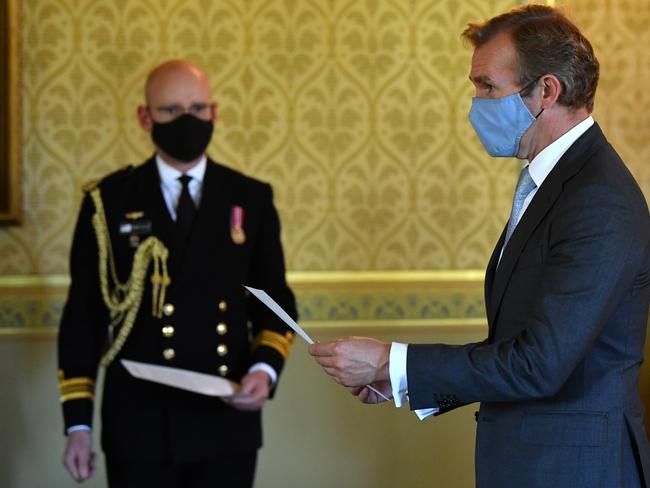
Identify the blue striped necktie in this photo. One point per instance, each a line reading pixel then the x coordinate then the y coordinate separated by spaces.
pixel 524 186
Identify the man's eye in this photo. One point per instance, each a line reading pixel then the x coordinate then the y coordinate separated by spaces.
pixel 198 108
pixel 171 110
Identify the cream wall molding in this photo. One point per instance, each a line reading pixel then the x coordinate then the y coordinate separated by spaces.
pixel 376 277
pixel 25 281
pixel 359 327
pixel 296 278
pixel 329 300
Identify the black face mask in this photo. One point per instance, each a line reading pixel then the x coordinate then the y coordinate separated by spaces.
pixel 184 138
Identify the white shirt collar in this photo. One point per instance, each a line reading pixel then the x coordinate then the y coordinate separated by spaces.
pixel 169 175
pixel 546 160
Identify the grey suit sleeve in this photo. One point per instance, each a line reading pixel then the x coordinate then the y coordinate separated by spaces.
pixel 592 258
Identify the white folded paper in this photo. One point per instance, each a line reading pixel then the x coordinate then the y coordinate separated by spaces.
pixel 278 310
pixel 181 378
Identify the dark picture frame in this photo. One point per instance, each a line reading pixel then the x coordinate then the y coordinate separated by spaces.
pixel 10 114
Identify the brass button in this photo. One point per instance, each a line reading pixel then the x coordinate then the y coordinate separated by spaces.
pixel 223 370
pixel 169 354
pixel 168 309
pixel 222 328
pixel 168 331
pixel 222 350
pixel 223 306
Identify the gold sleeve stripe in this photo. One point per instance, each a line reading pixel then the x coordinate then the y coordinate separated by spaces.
pixel 274 340
pixel 76 396
pixel 75 388
pixel 76 382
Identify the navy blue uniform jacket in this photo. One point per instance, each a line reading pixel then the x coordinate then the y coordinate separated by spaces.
pixel 210 324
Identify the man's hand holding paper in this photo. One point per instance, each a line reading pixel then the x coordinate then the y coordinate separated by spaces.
pixel 253 392
pixel 356 362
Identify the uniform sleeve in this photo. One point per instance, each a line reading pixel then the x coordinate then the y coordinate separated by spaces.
pixel 83 326
pixel 272 339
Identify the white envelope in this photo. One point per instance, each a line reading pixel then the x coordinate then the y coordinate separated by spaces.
pixel 202 383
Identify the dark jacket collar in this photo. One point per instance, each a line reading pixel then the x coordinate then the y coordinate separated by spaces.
pixel 498 272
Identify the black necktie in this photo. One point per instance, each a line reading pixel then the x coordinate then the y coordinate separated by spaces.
pixel 185 211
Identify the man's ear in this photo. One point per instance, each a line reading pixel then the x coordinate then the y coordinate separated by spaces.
pixel 144 117
pixel 551 90
pixel 214 112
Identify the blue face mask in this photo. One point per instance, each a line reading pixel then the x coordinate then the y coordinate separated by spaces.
pixel 500 123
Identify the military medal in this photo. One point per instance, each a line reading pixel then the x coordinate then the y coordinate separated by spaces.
pixel 237 225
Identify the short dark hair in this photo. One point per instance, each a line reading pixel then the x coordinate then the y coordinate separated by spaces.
pixel 546 42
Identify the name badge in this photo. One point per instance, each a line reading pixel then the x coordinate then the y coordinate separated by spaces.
pixel 137 227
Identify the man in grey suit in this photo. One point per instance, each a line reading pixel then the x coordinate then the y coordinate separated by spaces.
pixel 566 290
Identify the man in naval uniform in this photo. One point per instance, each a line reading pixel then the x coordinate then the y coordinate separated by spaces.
pixel 159 256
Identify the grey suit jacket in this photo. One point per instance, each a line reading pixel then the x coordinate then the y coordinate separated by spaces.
pixel 567 310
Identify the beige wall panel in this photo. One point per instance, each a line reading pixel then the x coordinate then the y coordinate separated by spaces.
pixel 316 434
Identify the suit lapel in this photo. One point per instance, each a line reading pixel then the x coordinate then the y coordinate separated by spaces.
pixel 490 272
pixel 568 165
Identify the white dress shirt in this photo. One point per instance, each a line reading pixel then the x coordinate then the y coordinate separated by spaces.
pixel 171 186
pixel 539 168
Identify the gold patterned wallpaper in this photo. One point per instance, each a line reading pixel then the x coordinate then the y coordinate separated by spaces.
pixel 355 111
pixel 618 31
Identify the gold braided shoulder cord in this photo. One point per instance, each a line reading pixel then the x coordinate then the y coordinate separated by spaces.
pixel 123 301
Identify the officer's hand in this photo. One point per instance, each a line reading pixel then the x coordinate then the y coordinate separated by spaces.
pixel 253 393
pixel 78 458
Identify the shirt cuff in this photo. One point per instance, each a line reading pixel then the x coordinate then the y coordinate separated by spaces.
pixel 267 369
pixel 78 427
pixel 397 372
pixel 399 380
pixel 425 413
